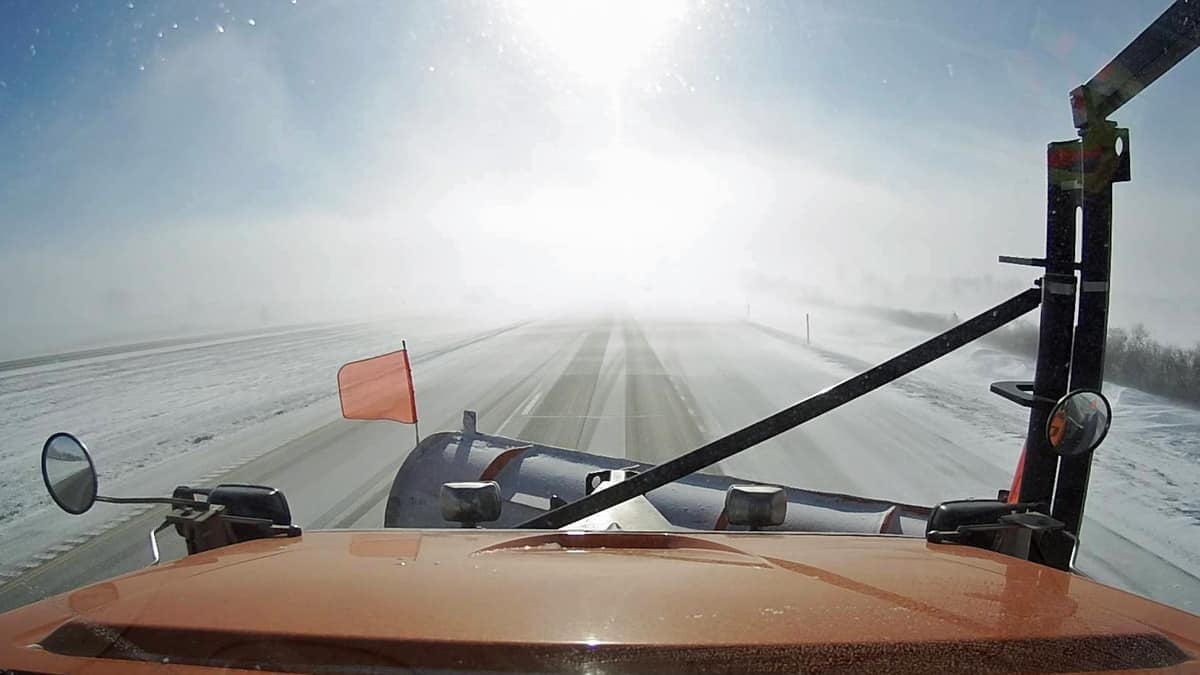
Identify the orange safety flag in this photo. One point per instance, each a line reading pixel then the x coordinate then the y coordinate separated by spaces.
pixel 379 388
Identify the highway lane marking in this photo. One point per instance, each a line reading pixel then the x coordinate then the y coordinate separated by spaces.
pixel 526 406
pixel 573 389
pixel 651 385
pixel 532 402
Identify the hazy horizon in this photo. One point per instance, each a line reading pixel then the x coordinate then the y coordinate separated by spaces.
pixel 176 166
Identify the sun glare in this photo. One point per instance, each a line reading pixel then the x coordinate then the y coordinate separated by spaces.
pixel 600 42
pixel 637 220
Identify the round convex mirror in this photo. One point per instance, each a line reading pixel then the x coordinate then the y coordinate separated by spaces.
pixel 69 473
pixel 1078 423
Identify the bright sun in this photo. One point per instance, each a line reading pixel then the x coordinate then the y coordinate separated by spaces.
pixel 600 42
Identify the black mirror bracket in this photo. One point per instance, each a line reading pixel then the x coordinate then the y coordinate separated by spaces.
pixel 1021 529
pixel 230 514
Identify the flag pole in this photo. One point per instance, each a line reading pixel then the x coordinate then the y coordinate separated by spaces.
pixel 412 396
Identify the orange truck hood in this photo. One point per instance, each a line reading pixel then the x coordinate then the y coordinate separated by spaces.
pixel 606 601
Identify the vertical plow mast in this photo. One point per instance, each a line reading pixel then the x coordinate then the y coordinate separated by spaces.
pixel 1075 294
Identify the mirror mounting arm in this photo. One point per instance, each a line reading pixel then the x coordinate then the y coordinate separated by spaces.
pixel 208 526
pixel 149 500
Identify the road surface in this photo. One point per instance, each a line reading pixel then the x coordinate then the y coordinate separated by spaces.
pixel 642 389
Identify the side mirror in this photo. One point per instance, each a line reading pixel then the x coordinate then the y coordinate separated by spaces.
pixel 252 501
pixel 1078 423
pixel 69 473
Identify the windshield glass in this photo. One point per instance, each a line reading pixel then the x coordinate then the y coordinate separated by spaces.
pixel 626 229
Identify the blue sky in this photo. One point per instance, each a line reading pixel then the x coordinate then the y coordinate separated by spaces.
pixel 271 160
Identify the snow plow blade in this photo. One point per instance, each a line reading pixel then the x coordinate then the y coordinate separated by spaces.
pixel 531 475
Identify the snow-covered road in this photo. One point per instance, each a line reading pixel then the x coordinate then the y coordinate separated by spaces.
pixel 264 409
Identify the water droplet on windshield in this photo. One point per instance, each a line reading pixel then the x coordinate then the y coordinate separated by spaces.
pixel 174 26
pixel 129 5
pixel 33 51
pixel 431 69
pixel 251 22
pixel 141 67
pixel 220 28
pixel 160 34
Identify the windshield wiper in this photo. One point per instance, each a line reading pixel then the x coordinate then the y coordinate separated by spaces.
pixel 792 417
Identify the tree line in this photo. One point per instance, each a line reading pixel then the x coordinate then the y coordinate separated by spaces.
pixel 1132 357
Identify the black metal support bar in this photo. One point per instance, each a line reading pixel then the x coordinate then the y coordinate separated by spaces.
pixel 1018 392
pixel 1039 461
pixel 1027 262
pixel 1104 166
pixel 794 416
pixel 1164 43
pixel 149 500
